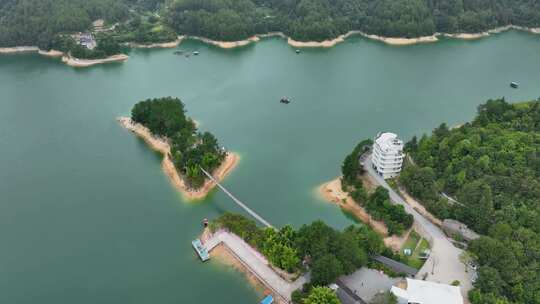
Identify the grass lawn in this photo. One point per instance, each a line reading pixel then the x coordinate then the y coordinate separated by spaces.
pixel 412 242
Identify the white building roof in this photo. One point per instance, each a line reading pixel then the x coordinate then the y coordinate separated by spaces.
pixel 388 141
pixel 424 292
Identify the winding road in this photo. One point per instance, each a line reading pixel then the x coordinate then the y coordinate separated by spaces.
pixel 443 265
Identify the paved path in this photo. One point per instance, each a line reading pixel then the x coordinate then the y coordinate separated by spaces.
pixel 256 263
pixel 443 265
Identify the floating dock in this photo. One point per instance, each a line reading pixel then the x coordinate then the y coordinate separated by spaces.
pixel 201 250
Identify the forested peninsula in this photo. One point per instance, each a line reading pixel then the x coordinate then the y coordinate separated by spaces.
pixel 491 168
pixel 163 124
pixel 46 23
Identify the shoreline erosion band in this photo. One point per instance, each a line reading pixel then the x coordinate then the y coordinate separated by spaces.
pixel 395 41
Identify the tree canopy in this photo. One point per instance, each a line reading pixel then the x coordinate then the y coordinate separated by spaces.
pixel 492 167
pixel 190 149
pixel 329 253
pixel 36 22
pixel 322 295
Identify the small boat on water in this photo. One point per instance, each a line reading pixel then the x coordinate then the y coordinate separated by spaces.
pixel 196 53
pixel 297 51
pixel 285 100
pixel 514 84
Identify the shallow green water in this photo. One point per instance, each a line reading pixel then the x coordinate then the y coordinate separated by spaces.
pixel 86 214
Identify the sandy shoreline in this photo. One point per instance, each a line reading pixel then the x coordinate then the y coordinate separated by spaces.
pixel 18 49
pixel 51 53
pixel 163 45
pixel 71 61
pixel 227 44
pixel 397 41
pixel 223 255
pixel 161 145
pixel 82 63
pixel 331 192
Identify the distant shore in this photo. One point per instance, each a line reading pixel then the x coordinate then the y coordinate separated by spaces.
pixel 331 192
pixel 67 59
pixel 161 145
pixel 396 41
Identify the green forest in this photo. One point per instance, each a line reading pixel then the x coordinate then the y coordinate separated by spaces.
pixel 37 22
pixel 325 19
pixel 491 166
pixel 190 149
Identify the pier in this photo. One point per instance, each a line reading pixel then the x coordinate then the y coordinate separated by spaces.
pixel 256 264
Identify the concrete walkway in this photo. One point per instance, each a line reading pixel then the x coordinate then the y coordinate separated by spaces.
pixel 256 264
pixel 443 265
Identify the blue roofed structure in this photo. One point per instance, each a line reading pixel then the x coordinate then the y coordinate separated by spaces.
pixel 268 300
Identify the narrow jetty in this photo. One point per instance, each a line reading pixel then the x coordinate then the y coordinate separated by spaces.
pixel 237 201
pixel 256 264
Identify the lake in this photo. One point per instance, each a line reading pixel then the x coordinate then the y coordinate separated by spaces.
pixel 86 214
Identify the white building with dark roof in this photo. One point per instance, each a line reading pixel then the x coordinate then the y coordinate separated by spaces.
pixel 424 292
pixel 387 156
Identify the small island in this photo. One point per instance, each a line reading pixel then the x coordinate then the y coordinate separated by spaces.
pixel 162 123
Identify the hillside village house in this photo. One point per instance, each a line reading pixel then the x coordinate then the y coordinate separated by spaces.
pixel 387 156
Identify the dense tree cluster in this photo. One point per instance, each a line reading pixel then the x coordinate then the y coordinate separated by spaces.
pixel 321 295
pixel 324 19
pixel 378 204
pixel 144 30
pixel 36 22
pixel 190 149
pixel 351 168
pixel 492 167
pixel 48 23
pixel 106 46
pixel 329 253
